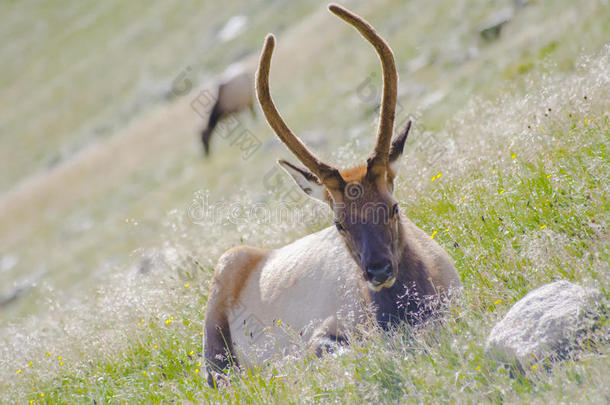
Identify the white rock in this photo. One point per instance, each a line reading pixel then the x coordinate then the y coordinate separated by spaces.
pixel 541 324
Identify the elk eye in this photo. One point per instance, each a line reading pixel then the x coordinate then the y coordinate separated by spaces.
pixel 340 227
pixel 394 210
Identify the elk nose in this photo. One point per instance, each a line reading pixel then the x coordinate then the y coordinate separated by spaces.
pixel 379 273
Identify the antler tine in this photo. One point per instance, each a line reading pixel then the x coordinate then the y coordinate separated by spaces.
pixel 379 158
pixel 329 175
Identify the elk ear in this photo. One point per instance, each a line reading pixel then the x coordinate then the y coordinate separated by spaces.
pixel 306 180
pixel 398 146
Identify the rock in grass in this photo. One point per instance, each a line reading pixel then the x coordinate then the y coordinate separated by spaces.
pixel 545 324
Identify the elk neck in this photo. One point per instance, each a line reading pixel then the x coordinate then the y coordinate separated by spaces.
pixel 407 298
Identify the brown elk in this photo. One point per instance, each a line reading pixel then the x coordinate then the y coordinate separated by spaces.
pixel 372 264
pixel 235 93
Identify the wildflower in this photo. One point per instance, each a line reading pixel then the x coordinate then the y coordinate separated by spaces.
pixel 30 364
pixel 155 347
pixel 501 191
pixel 513 155
pixel 48 354
pixel 433 234
pixel 144 372
pixel 477 368
pixel 434 178
pixel 496 302
pixel 19 371
pixel 464 198
pixel 534 367
pixel 198 364
pixel 548 176
pixel 542 226
pixel 279 321
pixel 61 363
pixel 586 121
pixel 31 401
pixel 196 370
pixel 42 394
pixel 187 285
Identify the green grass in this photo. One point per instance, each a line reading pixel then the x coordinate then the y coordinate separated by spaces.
pixel 521 200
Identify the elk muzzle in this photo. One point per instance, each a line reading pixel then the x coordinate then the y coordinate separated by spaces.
pixel 380 276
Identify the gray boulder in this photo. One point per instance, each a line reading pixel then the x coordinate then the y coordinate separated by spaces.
pixel 544 324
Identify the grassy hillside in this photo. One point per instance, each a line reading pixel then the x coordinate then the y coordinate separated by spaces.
pixel 507 167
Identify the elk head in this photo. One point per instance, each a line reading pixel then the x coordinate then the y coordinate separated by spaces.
pixel 366 214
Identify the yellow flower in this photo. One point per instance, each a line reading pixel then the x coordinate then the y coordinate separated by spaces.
pixel 548 176
pixel 31 401
pixel 586 121
pixel 534 367
pixel 155 347
pixel 48 354
pixel 144 372
pixel 279 321
pixel 433 234
pixel 187 285
pixel 542 226
pixel 196 370
pixel 191 353
pixel 464 198
pixel 501 191
pixel 30 364
pixel 59 357
pixel 198 364
pixel 496 302
pixel 42 394
pixel 19 371
pixel 477 368
pixel 513 155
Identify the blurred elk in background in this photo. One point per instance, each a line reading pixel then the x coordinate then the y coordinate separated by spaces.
pixel 235 94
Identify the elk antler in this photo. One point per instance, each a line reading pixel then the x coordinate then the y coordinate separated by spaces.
pixel 328 175
pixel 378 161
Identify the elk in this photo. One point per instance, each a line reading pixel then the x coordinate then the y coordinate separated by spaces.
pixel 372 264
pixel 235 93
